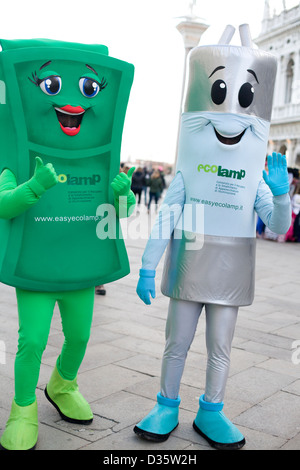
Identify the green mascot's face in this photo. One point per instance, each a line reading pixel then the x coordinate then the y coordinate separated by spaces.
pixel 68 104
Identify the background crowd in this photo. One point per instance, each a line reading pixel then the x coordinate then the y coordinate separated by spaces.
pixel 148 184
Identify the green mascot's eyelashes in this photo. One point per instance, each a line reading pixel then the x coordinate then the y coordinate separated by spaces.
pixel 90 87
pixel 50 85
pixel 69 117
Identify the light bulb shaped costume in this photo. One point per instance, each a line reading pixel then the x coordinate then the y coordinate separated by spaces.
pixel 208 222
pixel 62 118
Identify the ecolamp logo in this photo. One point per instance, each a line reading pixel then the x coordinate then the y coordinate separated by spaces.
pixel 238 174
pixel 79 180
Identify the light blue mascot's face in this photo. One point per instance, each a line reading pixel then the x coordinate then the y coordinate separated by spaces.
pixel 231 80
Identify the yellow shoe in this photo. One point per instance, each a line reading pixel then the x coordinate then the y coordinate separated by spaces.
pixel 66 398
pixel 21 432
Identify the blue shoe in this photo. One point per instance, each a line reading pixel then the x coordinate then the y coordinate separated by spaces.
pixel 161 421
pixel 216 428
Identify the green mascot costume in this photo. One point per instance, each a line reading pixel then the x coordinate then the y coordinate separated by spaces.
pixel 62 112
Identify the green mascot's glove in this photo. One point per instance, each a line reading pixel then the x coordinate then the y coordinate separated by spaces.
pixel 14 199
pixel 44 177
pixel 123 196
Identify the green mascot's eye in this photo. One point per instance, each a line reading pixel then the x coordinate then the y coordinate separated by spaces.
pixel 89 87
pixel 51 85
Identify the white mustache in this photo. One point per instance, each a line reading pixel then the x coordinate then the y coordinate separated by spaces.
pixel 228 124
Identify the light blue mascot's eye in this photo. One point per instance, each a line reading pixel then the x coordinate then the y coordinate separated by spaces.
pixel 246 95
pixel 218 92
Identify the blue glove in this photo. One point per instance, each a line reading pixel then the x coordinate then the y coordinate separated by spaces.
pixel 277 179
pixel 146 285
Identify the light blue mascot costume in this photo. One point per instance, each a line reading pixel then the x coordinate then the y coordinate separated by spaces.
pixel 208 222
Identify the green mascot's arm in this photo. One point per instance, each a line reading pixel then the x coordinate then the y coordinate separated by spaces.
pixel 14 200
pixel 124 199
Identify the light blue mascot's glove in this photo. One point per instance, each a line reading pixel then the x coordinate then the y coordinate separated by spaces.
pixel 146 285
pixel 277 179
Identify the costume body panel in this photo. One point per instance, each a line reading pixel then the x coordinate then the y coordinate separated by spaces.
pixel 187 255
pixel 66 219
pixel 221 272
pixel 223 182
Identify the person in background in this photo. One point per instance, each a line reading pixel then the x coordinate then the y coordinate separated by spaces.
pixel 162 175
pixel 146 184
pixel 155 188
pixel 293 234
pixel 100 290
pixel 138 182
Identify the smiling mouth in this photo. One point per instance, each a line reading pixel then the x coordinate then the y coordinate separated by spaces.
pixel 224 139
pixel 70 118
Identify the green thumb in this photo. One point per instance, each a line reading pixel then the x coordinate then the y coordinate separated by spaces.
pixel 130 172
pixel 38 162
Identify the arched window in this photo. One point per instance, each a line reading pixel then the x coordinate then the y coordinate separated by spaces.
pixel 289 81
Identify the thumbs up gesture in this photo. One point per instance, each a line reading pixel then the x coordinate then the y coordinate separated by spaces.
pixel 44 174
pixel 121 183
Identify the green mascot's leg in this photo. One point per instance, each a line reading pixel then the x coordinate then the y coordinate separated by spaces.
pixel 62 390
pixel 35 314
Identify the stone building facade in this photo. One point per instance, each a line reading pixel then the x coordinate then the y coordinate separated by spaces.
pixel 280 35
